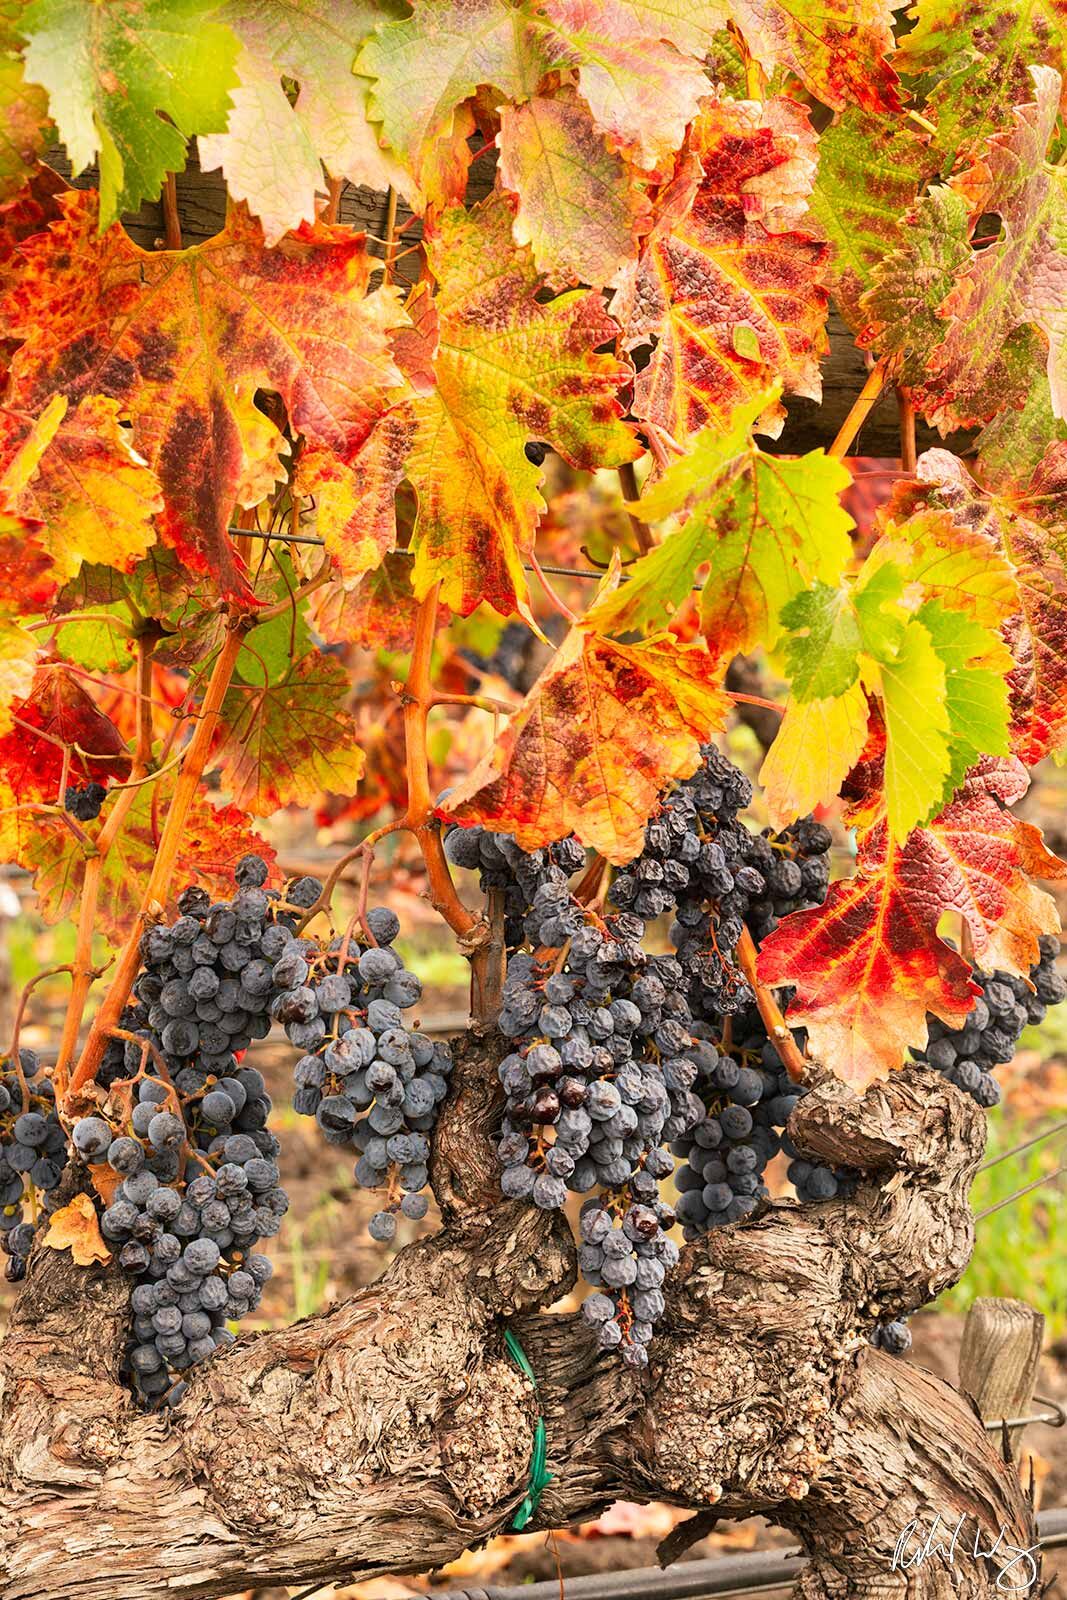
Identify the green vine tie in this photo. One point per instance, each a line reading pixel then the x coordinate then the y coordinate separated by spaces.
pixel 539 1478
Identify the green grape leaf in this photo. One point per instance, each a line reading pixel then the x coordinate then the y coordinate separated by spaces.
pixel 971 65
pixel 870 171
pixel 823 649
pixel 110 70
pixel 767 526
pixel 976 664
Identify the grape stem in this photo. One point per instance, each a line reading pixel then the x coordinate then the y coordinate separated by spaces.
pixel 155 894
pixel 777 1029
pixel 27 989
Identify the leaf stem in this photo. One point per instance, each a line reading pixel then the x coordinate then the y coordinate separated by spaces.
pixel 172 228
pixel 906 411
pixel 769 1010
pixel 862 407
pixel 632 494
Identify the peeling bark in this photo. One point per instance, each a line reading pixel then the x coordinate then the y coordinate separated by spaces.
pixel 394 1431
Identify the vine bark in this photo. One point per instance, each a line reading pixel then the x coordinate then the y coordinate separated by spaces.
pixel 394 1431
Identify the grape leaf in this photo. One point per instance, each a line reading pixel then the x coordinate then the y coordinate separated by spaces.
pixel 111 70
pixel 355 510
pixel 732 307
pixel 75 472
pixel 817 744
pixel 181 341
pixel 970 64
pixel 284 743
pixel 870 171
pixel 837 48
pixel 213 841
pixel 1027 529
pixel 976 690
pixel 274 146
pixel 633 76
pixel 766 526
pixel 868 963
pixel 576 208
pixel 58 716
pixel 601 732
pixel 1013 286
pixel 23 108
pixel 510 368
pixel 427 65
pixel 77 1228
pixel 378 613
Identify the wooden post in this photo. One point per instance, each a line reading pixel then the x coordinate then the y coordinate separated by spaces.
pixel 999 1358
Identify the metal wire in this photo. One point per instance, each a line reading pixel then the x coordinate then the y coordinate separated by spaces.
pixel 301 538
pixel 762 1570
pixel 1056 1418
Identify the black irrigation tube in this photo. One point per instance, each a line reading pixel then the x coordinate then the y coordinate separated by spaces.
pixel 692 1580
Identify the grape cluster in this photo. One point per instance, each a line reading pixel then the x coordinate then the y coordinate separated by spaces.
pixel 599 1079
pixel 33 1154
pixel 969 1056
pixel 186 1125
pixel 200 1188
pixel 502 864
pixel 748 1098
pixel 84 804
pixel 369 1082
pixel 700 862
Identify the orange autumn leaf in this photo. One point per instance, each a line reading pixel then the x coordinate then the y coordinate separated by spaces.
pixel 601 732
pixel 181 341
pixel 869 964
pixel 75 1228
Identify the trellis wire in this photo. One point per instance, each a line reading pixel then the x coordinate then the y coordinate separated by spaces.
pixel 313 539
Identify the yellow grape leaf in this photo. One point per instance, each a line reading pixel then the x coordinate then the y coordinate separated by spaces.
pixel 816 746
pixel 285 742
pixel 590 749
pixel 511 367
pixel 355 512
pixel 76 472
pixel 75 1227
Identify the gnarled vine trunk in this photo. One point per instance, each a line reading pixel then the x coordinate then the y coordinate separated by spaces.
pixel 394 1431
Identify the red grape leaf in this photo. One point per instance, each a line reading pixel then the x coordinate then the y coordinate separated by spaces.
pixel 734 303
pixel 837 48
pixel 868 963
pixel 182 340
pixel 510 368
pixel 65 715
pixel 284 743
pixel 601 732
